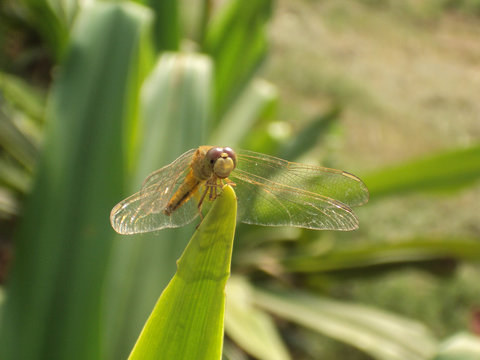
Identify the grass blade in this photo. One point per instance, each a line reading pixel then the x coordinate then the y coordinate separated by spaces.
pixel 249 326
pixel 236 40
pixel 47 22
pixel 442 172
pixel 259 97
pixel 310 135
pixel 23 96
pixel 13 176
pixel 387 254
pixel 378 333
pixel 17 142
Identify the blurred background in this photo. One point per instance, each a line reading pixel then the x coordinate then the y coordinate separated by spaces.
pixel 95 95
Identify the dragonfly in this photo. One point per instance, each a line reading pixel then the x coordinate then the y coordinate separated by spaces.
pixel 270 191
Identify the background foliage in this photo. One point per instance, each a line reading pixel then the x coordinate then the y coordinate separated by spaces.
pixel 95 96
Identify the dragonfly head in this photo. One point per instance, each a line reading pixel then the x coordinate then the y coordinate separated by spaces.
pixel 222 161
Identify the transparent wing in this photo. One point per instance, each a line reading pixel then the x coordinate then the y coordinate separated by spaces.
pixel 143 211
pixel 275 192
pixel 331 183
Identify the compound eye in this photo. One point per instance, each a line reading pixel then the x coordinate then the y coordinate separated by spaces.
pixel 213 154
pixel 231 154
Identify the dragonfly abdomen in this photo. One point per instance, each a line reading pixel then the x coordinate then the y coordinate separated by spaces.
pixel 188 188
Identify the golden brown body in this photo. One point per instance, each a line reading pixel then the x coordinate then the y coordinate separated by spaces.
pixel 209 163
pixel 271 192
pixel 188 188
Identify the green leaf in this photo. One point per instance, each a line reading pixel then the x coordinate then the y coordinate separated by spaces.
pixel 13 176
pixel 250 327
pixel 23 96
pixel 236 39
pixel 462 346
pixel 175 111
pixel 232 352
pixel 8 205
pixel 378 333
pixel 373 255
pixel 53 306
pixel 50 23
pixel 257 99
pixel 166 28
pixel 16 141
pixel 442 172
pixel 175 104
pixel 309 136
pixel 187 321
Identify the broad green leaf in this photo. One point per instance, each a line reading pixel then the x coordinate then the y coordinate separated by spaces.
pixel 175 110
pixel 53 306
pixel 66 10
pixel 250 327
pixel 441 172
pixel 369 255
pixel 166 28
pixel 175 104
pixel 378 333
pixel 462 346
pixel 187 321
pixel 237 41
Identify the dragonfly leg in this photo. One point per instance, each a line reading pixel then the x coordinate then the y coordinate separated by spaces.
pixel 201 215
pixel 212 186
pixel 200 202
pixel 208 189
pixel 230 182
pixel 213 193
pixel 211 190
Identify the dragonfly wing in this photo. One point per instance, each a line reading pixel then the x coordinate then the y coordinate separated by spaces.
pixel 157 178
pixel 143 211
pixel 328 183
pixel 264 202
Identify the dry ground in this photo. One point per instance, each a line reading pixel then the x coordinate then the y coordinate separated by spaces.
pixel 409 86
